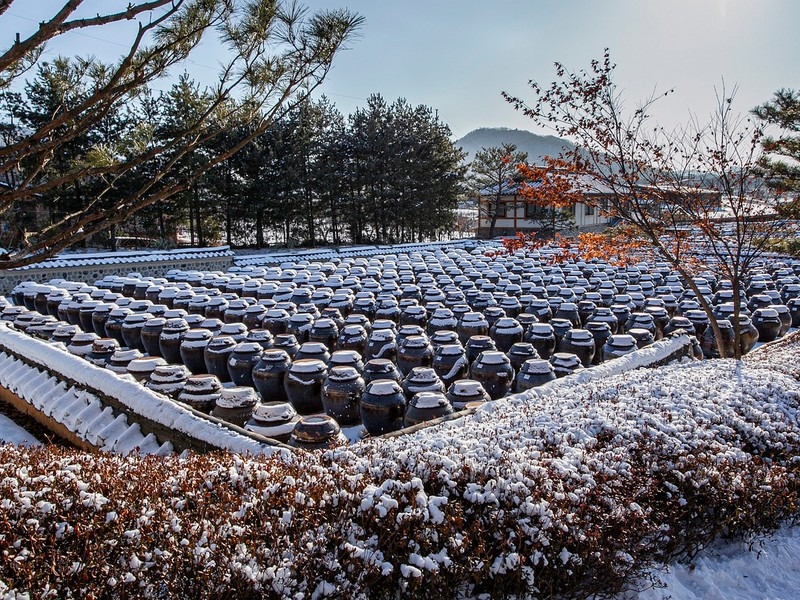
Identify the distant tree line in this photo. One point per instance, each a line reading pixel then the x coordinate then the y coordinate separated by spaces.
pixel 387 173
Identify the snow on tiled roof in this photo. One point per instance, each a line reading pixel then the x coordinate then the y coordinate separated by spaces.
pixel 61 261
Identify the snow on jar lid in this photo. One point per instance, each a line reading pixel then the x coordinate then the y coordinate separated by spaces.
pixel 423 375
pixel 621 340
pixel 429 400
pixel 237 397
pixel 451 350
pixel 274 411
pixel 343 373
pixel 145 364
pixel 416 341
pixel 384 387
pixel 541 329
pixel 233 329
pixel 492 357
pixel 170 374
pixel 248 347
pixel 308 365
pixel 467 387
pixel 537 366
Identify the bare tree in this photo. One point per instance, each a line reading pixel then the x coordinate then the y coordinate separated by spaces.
pixel 692 194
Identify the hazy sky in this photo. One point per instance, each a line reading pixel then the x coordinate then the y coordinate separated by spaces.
pixel 458 55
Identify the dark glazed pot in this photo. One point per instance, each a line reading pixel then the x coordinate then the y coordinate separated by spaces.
pixel 533 373
pixel 381 344
pixel 748 334
pixel 317 432
pixel 102 351
pixel 341 395
pixel 477 344
pixel 565 363
pixel 235 404
pixel 114 324
pixel 506 332
pixel 494 371
pixel 353 337
pixel 579 342
pixel 268 375
pixel 216 355
pixel 286 342
pixel 303 385
pixel 119 361
pixel 151 335
pixel 415 352
pixel 383 407
pixel 381 368
pixel 450 363
pixel 346 358
pixel 600 331
pixel 472 323
pixel 421 379
pixel 168 380
pixel 519 353
pixel 244 357
pixel 768 323
pixel 324 331
pixel 275 420
pixel 81 344
pixel 618 345
pixel 192 349
pixel 201 392
pixel 141 368
pixel 132 330
pixel 708 341
pixel 466 391
pixel 426 406
pixel 542 337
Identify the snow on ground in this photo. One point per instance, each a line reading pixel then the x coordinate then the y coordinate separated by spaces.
pixel 770 569
pixel 11 433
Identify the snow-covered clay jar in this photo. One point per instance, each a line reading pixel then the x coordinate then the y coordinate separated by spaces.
pixel 421 379
pixel 618 345
pixel 151 335
pixel 542 337
pixel 269 373
pixel 600 331
pixel 506 332
pixel 102 351
pixel 748 334
pixel 170 338
pixel 346 358
pixel 477 344
pixel 244 357
pixel 353 337
pixel 519 353
pixel 416 351
pixel 565 363
pixel 235 404
pixel 303 385
pixel 533 373
pixel 324 331
pixel 132 330
pixel 317 432
pixel 466 391
pixel 275 420
pixel 192 349
pixel 81 344
pixel 168 380
pixel 708 341
pixel 141 368
pixel 314 350
pixel 201 392
pixel 381 368
pixel 216 355
pixel 494 371
pixel 383 406
pixel 579 342
pixel 450 363
pixel 426 406
pixel 341 395
pixel 471 323
pixel 288 343
pixel 381 344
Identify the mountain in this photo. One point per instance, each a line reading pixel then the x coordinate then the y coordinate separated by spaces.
pixel 535 145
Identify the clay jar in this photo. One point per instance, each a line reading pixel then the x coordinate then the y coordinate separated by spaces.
pixel 708 342
pixel 313 350
pixel 450 363
pixel 494 371
pixel 324 331
pixel 253 315
pixel 275 420
pixel 603 314
pixel 600 332
pixel 200 392
pixel 100 315
pixel 85 314
pixel 477 344
pixel 216 354
pixel 316 432
pixel 506 332
pixel 235 404
pixel 381 368
pixel 102 351
pixel 426 406
pixel 542 337
pixel 533 373
pixel 465 391
pixel 748 334
pixel 678 322
pixel 519 353
pixel 540 308
pixel 618 345
pixel 441 319
pixel 114 324
pixel 286 342
pixel 415 352
pixel 268 375
pixel 303 385
pixel 352 337
pixel 700 321
pixel 81 344
pixel 565 363
pixel 383 407
pixel 381 344
pixel 643 337
pixel 768 323
pixel 141 368
pixel 244 357
pixel 421 379
pixel 472 323
pixel 569 311
pixel 300 325
pixel 151 335
pixel 169 340
pixel 192 349
pixel 119 361
pixel 132 330
pixel 341 394
pixel 579 342
pixel 168 380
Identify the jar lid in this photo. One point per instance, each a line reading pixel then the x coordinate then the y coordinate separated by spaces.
pixel 237 397
pixel 308 365
pixel 384 387
pixel 343 373
pixel 429 400
pixel 537 366
pixel 274 411
pixel 145 363
pixel 492 357
pixel 316 428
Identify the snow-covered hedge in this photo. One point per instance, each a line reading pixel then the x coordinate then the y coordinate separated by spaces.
pixel 573 492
